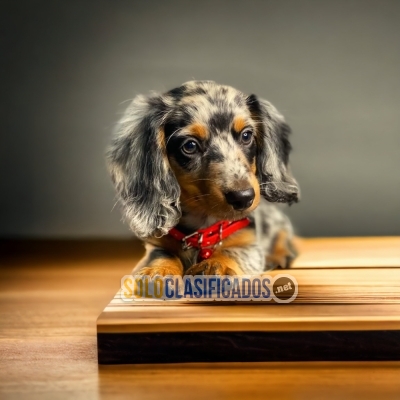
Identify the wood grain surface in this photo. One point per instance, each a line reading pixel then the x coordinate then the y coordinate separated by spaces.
pixel 50 296
pixel 355 252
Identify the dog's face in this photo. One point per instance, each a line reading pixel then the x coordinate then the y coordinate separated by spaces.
pixel 211 145
pixel 204 148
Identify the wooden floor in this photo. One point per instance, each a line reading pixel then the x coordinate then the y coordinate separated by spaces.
pixel 50 297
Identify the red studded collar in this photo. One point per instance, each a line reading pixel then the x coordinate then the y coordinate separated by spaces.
pixel 208 238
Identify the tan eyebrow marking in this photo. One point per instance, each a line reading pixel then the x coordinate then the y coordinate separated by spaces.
pixel 161 140
pixel 198 130
pixel 239 123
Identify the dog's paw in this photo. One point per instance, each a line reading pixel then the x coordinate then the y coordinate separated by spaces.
pixel 210 267
pixel 283 252
pixel 165 270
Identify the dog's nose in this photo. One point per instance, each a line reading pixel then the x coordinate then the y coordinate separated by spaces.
pixel 240 199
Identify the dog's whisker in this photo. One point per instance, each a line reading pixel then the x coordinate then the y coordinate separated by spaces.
pixel 195 199
pixel 192 202
pixel 216 205
pixel 276 182
pixel 203 179
pixel 198 196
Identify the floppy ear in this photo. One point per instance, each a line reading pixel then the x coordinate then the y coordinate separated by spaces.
pixel 277 182
pixel 137 159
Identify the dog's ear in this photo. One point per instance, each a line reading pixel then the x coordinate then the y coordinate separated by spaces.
pixel 273 148
pixel 137 159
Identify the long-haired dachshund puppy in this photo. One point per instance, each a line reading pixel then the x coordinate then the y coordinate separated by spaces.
pixel 196 171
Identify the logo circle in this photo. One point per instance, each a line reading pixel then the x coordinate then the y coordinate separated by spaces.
pixel 284 288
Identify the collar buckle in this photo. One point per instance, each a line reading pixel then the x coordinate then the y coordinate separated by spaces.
pixel 186 245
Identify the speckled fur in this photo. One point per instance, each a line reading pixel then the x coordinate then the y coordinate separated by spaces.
pixel 160 187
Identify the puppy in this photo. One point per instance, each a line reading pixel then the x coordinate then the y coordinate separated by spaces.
pixel 197 171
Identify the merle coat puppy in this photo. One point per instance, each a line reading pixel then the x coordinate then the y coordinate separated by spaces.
pixel 197 171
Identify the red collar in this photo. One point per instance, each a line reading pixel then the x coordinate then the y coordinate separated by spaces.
pixel 208 238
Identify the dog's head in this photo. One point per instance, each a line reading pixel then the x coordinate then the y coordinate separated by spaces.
pixel 203 147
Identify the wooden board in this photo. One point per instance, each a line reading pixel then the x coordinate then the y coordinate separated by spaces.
pixel 51 294
pixel 341 313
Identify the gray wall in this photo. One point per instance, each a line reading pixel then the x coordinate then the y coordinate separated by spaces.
pixel 332 67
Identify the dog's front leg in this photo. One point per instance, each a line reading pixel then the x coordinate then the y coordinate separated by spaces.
pixel 282 252
pixel 218 264
pixel 158 261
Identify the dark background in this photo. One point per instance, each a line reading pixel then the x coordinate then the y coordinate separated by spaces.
pixel 69 67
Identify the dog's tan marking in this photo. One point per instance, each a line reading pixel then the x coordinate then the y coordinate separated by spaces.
pixel 198 130
pixel 253 166
pixel 162 267
pixel 217 264
pixel 241 238
pixel 200 195
pixel 161 140
pixel 256 186
pixel 239 123
pixel 188 182
pixel 193 190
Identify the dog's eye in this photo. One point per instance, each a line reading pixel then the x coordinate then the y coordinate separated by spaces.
pixel 190 147
pixel 246 136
